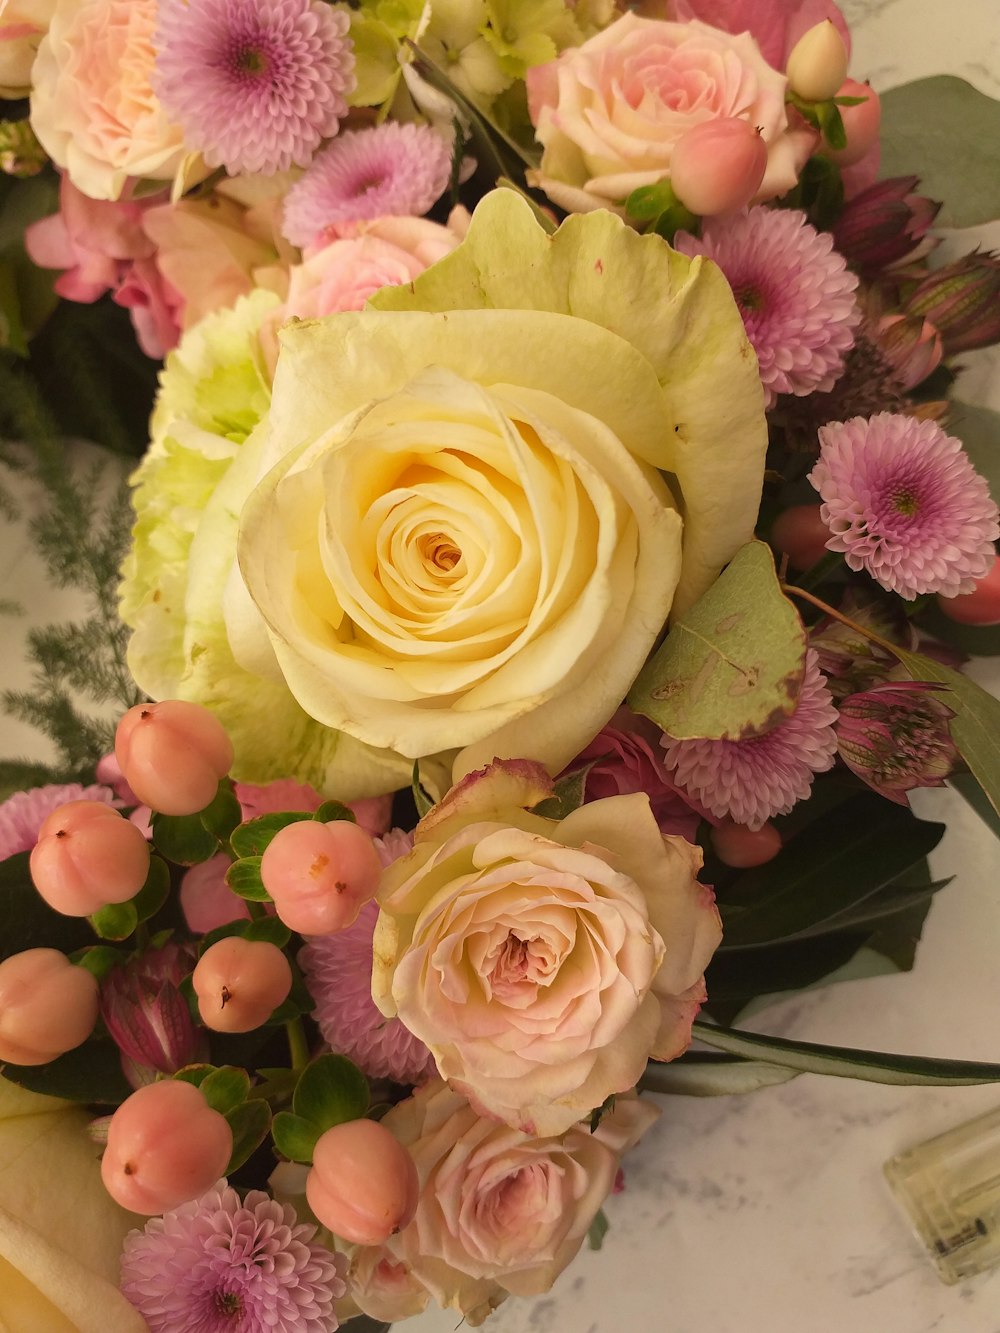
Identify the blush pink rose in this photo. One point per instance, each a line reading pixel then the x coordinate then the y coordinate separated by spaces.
pixel 92 103
pixel 500 1212
pixel 23 24
pixel 609 113
pixel 365 257
pixel 542 961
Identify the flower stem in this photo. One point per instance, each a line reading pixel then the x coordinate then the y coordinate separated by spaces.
pixel 792 590
pixel 298 1048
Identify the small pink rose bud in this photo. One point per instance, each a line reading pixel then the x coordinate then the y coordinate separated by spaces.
pixel 320 875
pixel 86 857
pixel 172 754
pixel 895 737
pixel 166 1145
pixel 718 166
pixel 148 1018
pixel 363 1183
pixel 817 63
pixel 47 1006
pixel 911 345
pixel 861 123
pixel 239 983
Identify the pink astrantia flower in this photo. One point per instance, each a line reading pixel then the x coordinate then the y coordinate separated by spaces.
pixel 896 737
pixel 22 815
pixel 218 1264
pixel 147 1017
pixel 338 972
pixel 904 503
pixel 751 780
pixel 256 85
pixel 795 293
pixel 387 170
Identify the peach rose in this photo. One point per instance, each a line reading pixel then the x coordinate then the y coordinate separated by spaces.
pixel 543 961
pixel 22 27
pixel 92 105
pixel 609 113
pixel 499 1213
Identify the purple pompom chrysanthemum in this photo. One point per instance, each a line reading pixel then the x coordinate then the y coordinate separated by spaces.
pixel 256 85
pixel 390 170
pixel 218 1264
pixel 750 780
pixel 903 502
pixel 795 293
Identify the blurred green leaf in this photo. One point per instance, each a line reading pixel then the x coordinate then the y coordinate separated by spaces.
pixel 91 1073
pixel 597 1230
pixel 226 1088
pixel 967 786
pixel 732 666
pixel 243 877
pixel 330 811
pixel 155 892
pixel 117 921
pixel 704 1074
pixel 223 814
pixel 250 1123
pixel 922 122
pixel 28 921
pixel 331 1091
pixel 183 839
pixel 979 430
pixel 254 837
pixel 294 1136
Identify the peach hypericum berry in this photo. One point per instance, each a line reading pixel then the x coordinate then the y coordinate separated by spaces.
pixel 240 983
pixel 741 847
pixel 363 1183
pixel 979 607
pixel 718 166
pixel 48 1006
pixel 172 755
pixel 320 875
pixel 800 533
pixel 88 856
pixel 166 1145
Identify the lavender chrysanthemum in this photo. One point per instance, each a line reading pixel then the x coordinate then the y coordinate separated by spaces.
pixel 750 780
pixel 795 293
pixel 256 85
pixel 338 972
pixel 904 503
pixel 390 170
pixel 23 814
pixel 219 1265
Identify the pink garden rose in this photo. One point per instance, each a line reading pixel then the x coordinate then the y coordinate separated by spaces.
pixel 23 24
pixel 500 1212
pixel 609 113
pixel 542 961
pixel 92 103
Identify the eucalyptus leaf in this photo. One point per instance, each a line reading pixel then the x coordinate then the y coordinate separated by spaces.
pixel 250 1123
pixel 847 1062
pixel 700 1074
pixel 732 666
pixel 979 430
pixel 921 124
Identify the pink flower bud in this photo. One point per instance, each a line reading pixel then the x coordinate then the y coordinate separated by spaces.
pixel 86 857
pixel 962 301
pixel 718 166
pixel 911 345
pixel 817 63
pixel 172 754
pixel 147 1016
pixel 363 1184
pixel 239 983
pixel 47 1006
pixel 861 123
pixel 895 737
pixel 885 224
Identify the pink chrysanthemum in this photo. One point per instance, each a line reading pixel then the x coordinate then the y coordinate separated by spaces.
pixel 390 170
pixel 338 972
pixel 24 813
pixel 751 780
pixel 255 85
pixel 217 1265
pixel 795 293
pixel 904 503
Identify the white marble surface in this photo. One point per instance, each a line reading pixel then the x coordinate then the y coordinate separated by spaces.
pixel 769 1212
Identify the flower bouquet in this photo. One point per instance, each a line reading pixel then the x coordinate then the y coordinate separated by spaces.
pixel 553 556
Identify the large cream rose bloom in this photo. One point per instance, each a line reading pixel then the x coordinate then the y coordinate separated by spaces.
pixel 543 961
pixel 457 534
pixel 60 1232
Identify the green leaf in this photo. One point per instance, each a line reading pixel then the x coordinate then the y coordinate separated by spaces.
pixel 183 839
pixel 243 877
pixel 972 640
pixel 568 793
pixel 700 1074
pixel 196 1074
pixel 831 122
pixel 597 1230
pixel 819 877
pixel 979 430
pixel 736 978
pixel 270 929
pixel 90 1073
pixel 732 666
pixel 922 122
pixel 117 921
pixel 249 1123
pixel 254 837
pixel 294 1137
pixel 421 799
pixel 155 892
pixel 99 960
pixel 333 810
pixel 649 201
pixel 226 1088
pixel 28 921
pixel 975 728
pixel 846 1061
pixel 967 786
pixel 331 1090
pixel 224 812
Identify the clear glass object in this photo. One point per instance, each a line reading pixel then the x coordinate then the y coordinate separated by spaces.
pixel 950 1190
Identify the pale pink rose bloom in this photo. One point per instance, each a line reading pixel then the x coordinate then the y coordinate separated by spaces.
pixel 92 103
pixel 608 113
pixel 543 961
pixel 365 257
pixel 23 24
pixel 384 1286
pixel 500 1212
